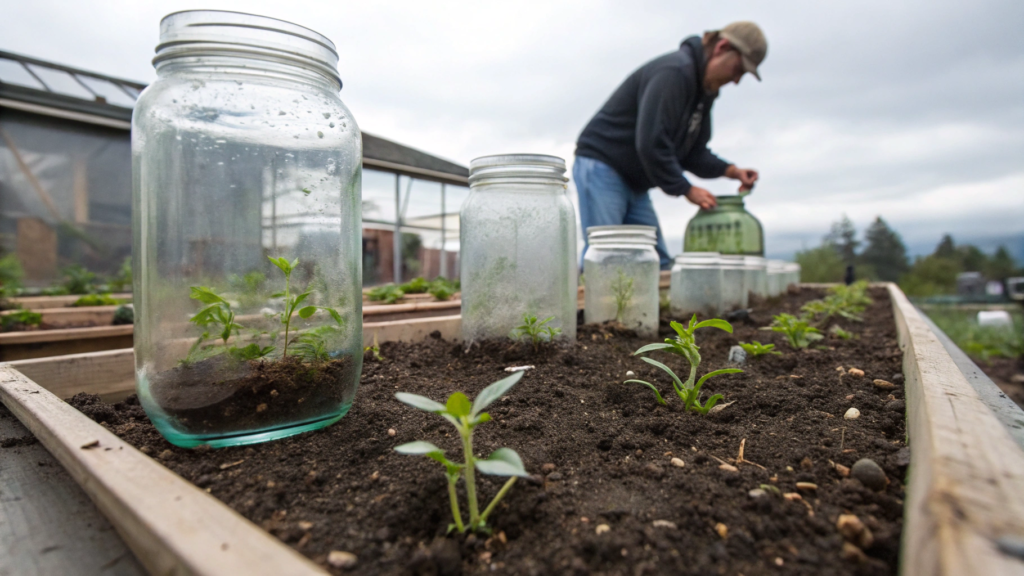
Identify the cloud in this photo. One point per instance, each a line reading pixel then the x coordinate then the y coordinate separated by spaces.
pixel 910 109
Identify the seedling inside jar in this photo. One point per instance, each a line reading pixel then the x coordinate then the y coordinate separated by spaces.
pixel 756 349
pixel 535 330
pixel 684 344
pixel 799 333
pixel 622 289
pixel 466 416
pixel 291 303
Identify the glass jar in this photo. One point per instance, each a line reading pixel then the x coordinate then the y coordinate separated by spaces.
pixel 734 285
pixel 246 217
pixel 696 285
pixel 622 269
pixel 756 278
pixel 727 229
pixel 518 246
pixel 776 278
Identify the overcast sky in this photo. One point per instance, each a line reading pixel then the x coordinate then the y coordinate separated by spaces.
pixel 912 110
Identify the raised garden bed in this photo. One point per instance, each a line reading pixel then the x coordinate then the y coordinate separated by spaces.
pixel 344 489
pixel 47 302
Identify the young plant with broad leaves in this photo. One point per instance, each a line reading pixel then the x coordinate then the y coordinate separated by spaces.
pixel 216 317
pixel 798 332
pixel 684 344
pixel 535 330
pixel 466 416
pixel 388 294
pixel 756 349
pixel 292 302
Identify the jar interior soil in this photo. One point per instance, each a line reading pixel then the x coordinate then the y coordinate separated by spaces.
pixel 606 495
pixel 215 395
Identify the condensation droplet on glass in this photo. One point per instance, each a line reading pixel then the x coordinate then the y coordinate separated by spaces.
pixel 178 137
pixel 327 115
pixel 281 113
pixel 331 166
pixel 332 124
pixel 319 133
pixel 344 124
pixel 220 163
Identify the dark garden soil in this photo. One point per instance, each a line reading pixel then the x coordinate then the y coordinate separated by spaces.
pixel 605 497
pixel 251 394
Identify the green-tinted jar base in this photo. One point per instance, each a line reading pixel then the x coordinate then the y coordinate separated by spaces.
pixel 243 438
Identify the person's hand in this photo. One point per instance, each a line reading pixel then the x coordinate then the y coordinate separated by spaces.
pixel 746 176
pixel 701 197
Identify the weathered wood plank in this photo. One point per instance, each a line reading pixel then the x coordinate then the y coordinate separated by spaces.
pixel 48 525
pixel 111 374
pixel 966 481
pixel 450 328
pixel 38 336
pixel 71 316
pixel 39 302
pixel 171 526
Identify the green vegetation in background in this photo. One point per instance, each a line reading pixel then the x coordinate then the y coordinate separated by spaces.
pixel 20 319
pixel 11 274
pixel 122 281
pixel 979 342
pixel 97 300
pixel 388 294
pixel 884 258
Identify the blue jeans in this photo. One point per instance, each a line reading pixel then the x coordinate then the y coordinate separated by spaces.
pixel 606 200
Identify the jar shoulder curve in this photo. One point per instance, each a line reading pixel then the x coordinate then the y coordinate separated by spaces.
pixel 262 107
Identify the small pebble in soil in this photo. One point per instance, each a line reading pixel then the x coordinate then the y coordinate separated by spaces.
pixel 664 524
pixel 897 378
pixel 757 493
pixel 165 455
pixel 843 471
pixel 792 496
pixel 341 559
pixel 870 474
pixel 554 477
pixel 884 385
pixel 392 432
pixel 851 396
pixel 779 561
pixel 853 554
pixel 854 531
pixel 261 408
pixel 630 374
pixel 548 468
pixel 728 468
pixel 737 355
pixel 806 486
pixel 855 372
pixel 722 530
pixel 807 463
pixel 677 462
pixel 852 414
pixel 602 528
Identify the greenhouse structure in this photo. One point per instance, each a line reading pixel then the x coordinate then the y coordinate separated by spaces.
pixel 66 191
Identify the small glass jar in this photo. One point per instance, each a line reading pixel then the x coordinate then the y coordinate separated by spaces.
pixel 246 220
pixel 728 229
pixel 518 247
pixel 696 285
pixel 734 285
pixel 622 269
pixel 756 278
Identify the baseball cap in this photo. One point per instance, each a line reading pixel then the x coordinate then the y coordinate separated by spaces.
pixel 749 40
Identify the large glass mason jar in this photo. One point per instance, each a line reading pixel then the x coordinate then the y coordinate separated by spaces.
pixel 246 169
pixel 696 285
pixel 727 229
pixel 756 275
pixel 517 247
pixel 734 283
pixel 622 269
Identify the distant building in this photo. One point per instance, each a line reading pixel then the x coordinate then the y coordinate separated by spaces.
pixel 65 181
pixel 970 284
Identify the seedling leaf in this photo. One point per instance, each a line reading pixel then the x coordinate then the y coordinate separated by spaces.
pixel 419 448
pixel 421 402
pixel 655 363
pixel 502 462
pixel 715 323
pixel 652 387
pixel 652 347
pixel 307 312
pixel 490 394
pixel 459 405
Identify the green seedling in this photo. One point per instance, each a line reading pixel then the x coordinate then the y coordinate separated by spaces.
pixel 442 288
pixel 622 289
pixel 756 349
pixel 217 317
pixel 417 285
pixel 535 330
pixel 20 318
pixel 251 352
pixel 97 300
pixel 78 280
pixel 684 344
pixel 312 345
pixel 799 333
pixel 375 348
pixel 124 315
pixel 292 302
pixel 388 294
pixel 466 416
pixel 123 279
pixel 841 334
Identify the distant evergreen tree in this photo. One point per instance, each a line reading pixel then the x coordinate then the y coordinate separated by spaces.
pixel 971 258
pixel 1002 265
pixel 843 236
pixel 946 248
pixel 885 252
